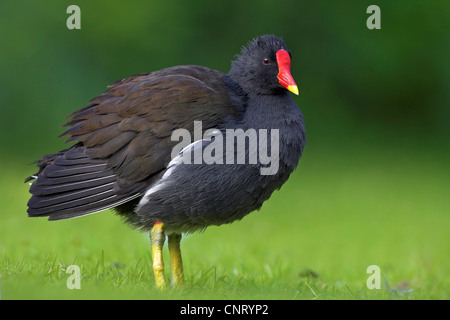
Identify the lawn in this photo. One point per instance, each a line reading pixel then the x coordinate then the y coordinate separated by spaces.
pixel 342 211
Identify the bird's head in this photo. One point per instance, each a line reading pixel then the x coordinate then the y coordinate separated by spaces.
pixel 264 66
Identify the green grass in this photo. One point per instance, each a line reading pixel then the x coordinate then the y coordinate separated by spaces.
pixel 336 216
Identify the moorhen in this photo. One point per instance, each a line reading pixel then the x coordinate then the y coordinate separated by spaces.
pixel 128 155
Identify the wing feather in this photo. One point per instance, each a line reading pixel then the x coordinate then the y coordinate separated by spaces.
pixel 124 140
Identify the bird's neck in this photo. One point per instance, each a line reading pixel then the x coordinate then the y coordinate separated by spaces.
pixel 268 111
pixel 281 113
pixel 276 111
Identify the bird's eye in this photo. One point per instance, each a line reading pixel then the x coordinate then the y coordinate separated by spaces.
pixel 266 61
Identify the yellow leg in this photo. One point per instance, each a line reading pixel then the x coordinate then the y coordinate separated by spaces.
pixel 176 263
pixel 157 238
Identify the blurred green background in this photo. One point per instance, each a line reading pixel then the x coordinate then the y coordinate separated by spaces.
pixel 372 187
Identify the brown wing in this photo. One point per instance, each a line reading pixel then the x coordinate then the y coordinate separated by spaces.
pixel 130 124
pixel 125 134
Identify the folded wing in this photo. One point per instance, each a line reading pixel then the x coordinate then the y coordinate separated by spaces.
pixel 123 140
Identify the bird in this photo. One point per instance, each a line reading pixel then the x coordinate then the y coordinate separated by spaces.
pixel 125 155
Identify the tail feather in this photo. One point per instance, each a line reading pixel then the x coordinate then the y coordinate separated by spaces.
pixel 51 188
pixel 46 181
pixel 56 201
pixel 70 184
pixel 55 171
pixel 94 207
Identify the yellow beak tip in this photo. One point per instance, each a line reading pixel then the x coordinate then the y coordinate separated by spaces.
pixel 293 89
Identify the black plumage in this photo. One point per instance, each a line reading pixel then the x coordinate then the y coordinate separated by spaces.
pixel 122 153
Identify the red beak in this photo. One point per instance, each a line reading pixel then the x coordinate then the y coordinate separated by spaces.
pixel 284 67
